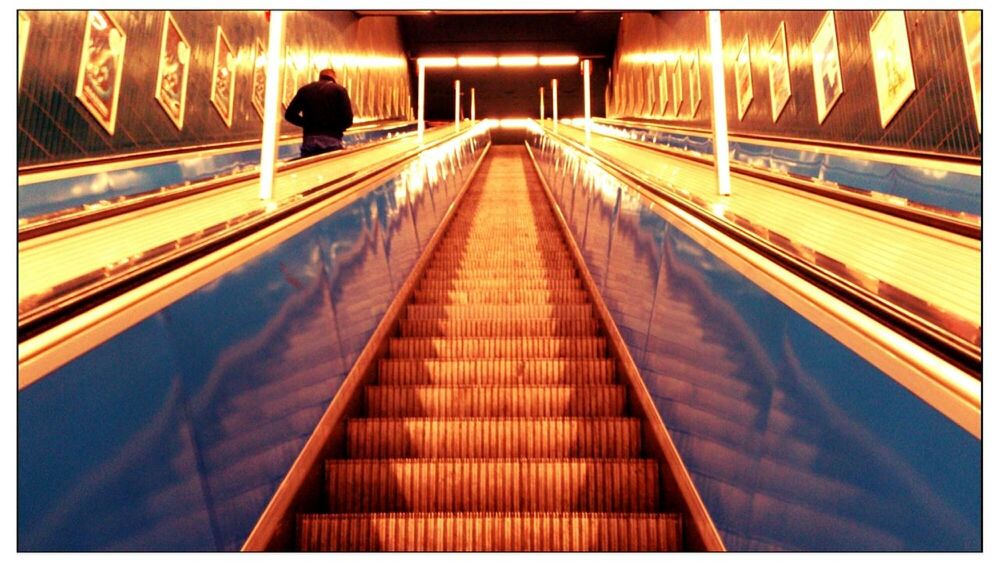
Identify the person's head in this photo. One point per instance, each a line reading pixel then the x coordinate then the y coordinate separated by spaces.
pixel 328 74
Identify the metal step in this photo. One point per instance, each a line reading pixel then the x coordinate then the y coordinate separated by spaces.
pixel 490 532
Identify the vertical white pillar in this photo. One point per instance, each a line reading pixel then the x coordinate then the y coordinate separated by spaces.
pixel 720 129
pixel 472 112
pixel 421 86
pixel 541 104
pixel 458 103
pixel 269 134
pixel 586 99
pixel 555 105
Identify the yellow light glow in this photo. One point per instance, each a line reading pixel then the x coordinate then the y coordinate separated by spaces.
pixel 519 123
pixel 520 60
pixel 438 62
pixel 477 61
pixel 558 60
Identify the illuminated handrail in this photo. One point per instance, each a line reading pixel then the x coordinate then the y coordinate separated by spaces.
pixel 941 369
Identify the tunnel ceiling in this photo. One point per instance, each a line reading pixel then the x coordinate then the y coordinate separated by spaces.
pixel 443 33
pixel 508 92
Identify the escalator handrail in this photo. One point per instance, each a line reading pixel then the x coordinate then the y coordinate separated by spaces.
pixel 938 219
pixel 45 317
pixel 956 351
pixel 62 220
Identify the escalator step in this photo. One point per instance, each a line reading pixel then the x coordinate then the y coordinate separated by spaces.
pixel 490 532
pixel 498 328
pixel 476 485
pixel 501 296
pixel 493 438
pixel 500 312
pixel 496 371
pixel 495 348
pixel 499 284
pixel 495 401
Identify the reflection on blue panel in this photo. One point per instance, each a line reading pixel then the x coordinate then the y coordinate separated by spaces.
pixel 175 434
pixel 55 195
pixel 793 441
pixel 947 190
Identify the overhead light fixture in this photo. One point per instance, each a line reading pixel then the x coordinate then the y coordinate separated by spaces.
pixel 558 60
pixel 437 62
pixel 477 61
pixel 520 60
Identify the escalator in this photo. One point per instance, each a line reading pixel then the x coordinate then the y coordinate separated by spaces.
pixel 497 419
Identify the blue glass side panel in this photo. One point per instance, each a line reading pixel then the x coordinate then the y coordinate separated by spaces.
pixel 106 457
pixel 793 440
pixel 47 197
pixel 174 434
pixel 947 190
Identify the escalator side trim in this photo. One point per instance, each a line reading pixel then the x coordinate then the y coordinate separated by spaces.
pixel 701 534
pixel 934 379
pixel 164 283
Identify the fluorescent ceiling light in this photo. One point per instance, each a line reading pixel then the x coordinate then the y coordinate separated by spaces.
pixel 519 61
pixel 477 61
pixel 437 62
pixel 558 60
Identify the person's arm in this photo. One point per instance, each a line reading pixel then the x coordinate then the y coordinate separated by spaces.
pixel 293 113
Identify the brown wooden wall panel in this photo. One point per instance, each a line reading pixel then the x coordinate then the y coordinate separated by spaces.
pixel 939 117
pixel 54 126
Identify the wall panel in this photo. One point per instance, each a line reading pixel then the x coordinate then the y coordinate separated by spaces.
pixel 54 126
pixel 939 117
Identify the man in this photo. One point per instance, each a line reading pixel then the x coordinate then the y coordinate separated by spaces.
pixel 323 110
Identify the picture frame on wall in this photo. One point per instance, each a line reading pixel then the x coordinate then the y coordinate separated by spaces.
pixel 971 25
pixel 664 87
pixel 891 62
pixel 744 79
pixel 99 79
pixel 289 79
pixel 694 84
pixel 223 77
pixel 827 79
pixel 777 72
pixel 23 28
pixel 678 99
pixel 259 78
pixel 172 73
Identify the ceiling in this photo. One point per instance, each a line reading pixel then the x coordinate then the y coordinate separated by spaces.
pixel 446 33
pixel 504 92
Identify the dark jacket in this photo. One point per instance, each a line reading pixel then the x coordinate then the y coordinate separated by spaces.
pixel 321 108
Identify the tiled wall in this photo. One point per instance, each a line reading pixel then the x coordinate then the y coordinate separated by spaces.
pixel 54 126
pixel 939 117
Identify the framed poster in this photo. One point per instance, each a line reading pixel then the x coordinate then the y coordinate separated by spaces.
pixel 972 40
pixel 172 76
pixel 678 99
pixel 891 61
pixel 777 72
pixel 744 80
pixel 289 79
pixel 223 77
pixel 259 78
pixel 664 89
pixel 100 77
pixel 648 76
pixel 694 84
pixel 23 27
pixel 826 66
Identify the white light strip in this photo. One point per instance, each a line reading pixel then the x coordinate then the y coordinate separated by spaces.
pixel 438 62
pixel 272 81
pixel 586 100
pixel 421 86
pixel 720 127
pixel 477 62
pixel 520 60
pixel 558 60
